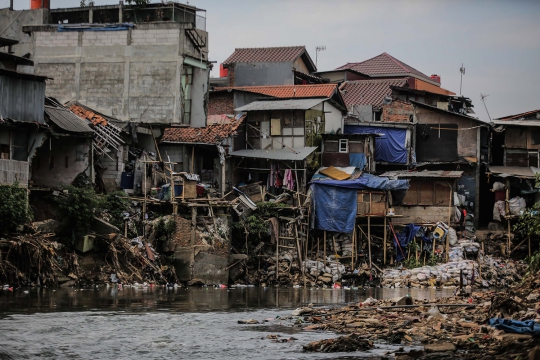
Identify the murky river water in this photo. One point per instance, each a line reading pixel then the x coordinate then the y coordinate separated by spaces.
pixel 159 323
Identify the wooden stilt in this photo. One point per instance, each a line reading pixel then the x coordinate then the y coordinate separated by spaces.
pixel 298 248
pixel 334 245
pixel 352 248
pixel 369 239
pixel 384 240
pixel 324 248
pixel 277 257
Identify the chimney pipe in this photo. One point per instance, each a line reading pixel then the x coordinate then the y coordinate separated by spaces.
pixel 10 4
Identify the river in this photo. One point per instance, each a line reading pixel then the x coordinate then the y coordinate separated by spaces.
pixel 160 323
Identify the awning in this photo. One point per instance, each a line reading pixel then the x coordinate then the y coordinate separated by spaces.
pixel 404 174
pixel 195 62
pixel 514 171
pixel 279 154
pixel 289 104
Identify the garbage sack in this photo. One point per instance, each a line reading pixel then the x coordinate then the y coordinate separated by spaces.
pixel 530 327
pixel 498 186
pixel 452 236
pixel 516 205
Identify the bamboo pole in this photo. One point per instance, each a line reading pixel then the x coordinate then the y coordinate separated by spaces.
pixel 299 253
pixel 369 237
pixel 384 240
pixel 352 247
pixel 324 248
pixel 277 257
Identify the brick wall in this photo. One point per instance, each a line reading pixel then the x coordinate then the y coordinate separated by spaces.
pixel 397 111
pixel 221 103
pixel 232 78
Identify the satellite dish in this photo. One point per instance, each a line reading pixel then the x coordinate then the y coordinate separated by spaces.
pixel 387 100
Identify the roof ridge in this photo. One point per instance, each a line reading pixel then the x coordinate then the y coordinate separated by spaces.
pixel 397 62
pixel 271 47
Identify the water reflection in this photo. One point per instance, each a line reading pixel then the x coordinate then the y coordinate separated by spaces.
pixel 191 299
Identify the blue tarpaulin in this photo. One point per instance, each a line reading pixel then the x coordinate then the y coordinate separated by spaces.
pixel 406 236
pixel 357 160
pixel 94 27
pixel 530 327
pixel 335 202
pixel 390 147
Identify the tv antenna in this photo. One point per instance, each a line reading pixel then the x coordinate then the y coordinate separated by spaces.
pixel 483 97
pixel 462 71
pixel 317 49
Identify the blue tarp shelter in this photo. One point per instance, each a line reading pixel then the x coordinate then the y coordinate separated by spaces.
pixel 335 202
pixel 390 146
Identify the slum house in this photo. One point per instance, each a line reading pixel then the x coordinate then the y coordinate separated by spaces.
pixel 206 151
pixel 22 122
pixel 282 133
pixel 122 73
pixel 513 165
pixel 448 139
pixel 286 65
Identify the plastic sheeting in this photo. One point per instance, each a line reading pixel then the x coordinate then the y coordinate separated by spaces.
pixel 530 327
pixel 94 27
pixel 390 147
pixel 335 202
pixel 357 160
pixel 334 208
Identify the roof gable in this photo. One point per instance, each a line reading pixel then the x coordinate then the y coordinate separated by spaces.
pixel 384 65
pixel 368 92
pixel 271 54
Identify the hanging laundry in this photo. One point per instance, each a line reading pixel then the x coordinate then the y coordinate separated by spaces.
pixel 288 179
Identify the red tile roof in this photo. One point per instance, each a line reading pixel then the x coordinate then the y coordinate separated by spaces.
pixel 269 54
pixel 88 115
pixel 212 134
pixel 368 92
pixel 519 116
pixel 384 64
pixel 288 91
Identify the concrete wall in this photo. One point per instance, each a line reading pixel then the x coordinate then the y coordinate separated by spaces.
pixel 13 171
pixel 332 117
pixel 272 73
pixel 174 152
pixel 132 75
pixel 242 98
pixel 11 23
pixel 62 162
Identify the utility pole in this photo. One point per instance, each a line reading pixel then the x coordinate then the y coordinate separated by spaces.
pixel 317 49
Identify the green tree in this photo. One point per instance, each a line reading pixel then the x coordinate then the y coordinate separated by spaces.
pixel 77 207
pixel 14 210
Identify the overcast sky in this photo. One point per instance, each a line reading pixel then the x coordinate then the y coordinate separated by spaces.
pixel 497 41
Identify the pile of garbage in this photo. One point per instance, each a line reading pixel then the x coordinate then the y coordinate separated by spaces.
pixel 484 273
pixel 466 326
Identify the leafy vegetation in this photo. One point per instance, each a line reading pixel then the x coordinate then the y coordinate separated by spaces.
pixel 116 203
pixel 14 210
pixel 77 206
pixel 529 223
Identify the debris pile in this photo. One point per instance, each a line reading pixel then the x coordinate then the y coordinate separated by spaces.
pixel 348 343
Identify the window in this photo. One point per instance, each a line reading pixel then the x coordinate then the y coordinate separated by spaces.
pixel 535 137
pixel 187 82
pixel 343 145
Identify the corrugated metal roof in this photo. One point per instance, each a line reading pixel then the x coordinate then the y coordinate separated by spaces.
pixel 534 123
pixel 423 174
pixel 291 104
pixel 278 154
pixel 516 171
pixel 67 120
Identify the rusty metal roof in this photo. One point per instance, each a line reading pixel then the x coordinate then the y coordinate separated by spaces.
pixel 514 171
pixel 67 120
pixel 404 174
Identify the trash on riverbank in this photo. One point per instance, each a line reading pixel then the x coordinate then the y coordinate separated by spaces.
pixel 348 343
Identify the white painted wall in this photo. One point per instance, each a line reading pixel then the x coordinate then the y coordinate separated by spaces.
pixel 332 117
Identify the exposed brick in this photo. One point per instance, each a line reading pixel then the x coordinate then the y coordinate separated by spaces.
pixel 397 111
pixel 221 103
